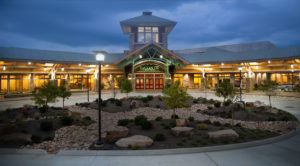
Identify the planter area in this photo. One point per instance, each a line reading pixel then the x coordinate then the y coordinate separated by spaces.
pixel 142 123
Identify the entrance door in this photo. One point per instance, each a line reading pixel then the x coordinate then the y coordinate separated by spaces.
pixel 159 83
pixel 149 83
pixel 139 83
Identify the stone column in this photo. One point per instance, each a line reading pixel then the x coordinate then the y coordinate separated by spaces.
pixel 8 84
pixel 31 83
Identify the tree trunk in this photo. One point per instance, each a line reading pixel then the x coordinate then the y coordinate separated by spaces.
pixel 270 101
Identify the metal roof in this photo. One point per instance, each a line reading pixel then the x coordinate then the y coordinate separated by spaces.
pixel 219 55
pixel 147 19
pixel 25 54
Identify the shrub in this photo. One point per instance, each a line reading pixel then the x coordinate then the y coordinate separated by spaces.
pixel 172 124
pixel 159 118
pixel 46 125
pixel 216 123
pixel 159 137
pixel 202 126
pixel 227 102
pixel 149 97
pixel 67 120
pixel 157 106
pixel 225 89
pixel 146 125
pixel 217 104
pixel 86 121
pixel 174 116
pixel 126 86
pixel 138 120
pixel 191 119
pixel 210 107
pixel 207 121
pixel 46 94
pixel 43 109
pixel 87 118
pixel 123 122
pixel 118 103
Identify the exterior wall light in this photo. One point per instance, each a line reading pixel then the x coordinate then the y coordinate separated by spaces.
pixel 222 64
pixel 240 68
pixel 140 56
pixel 79 64
pixel 62 69
pixel 4 67
pixel 292 66
pixel 161 56
pixel 269 61
pixel 29 63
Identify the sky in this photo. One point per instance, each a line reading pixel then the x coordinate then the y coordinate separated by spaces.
pixel 88 25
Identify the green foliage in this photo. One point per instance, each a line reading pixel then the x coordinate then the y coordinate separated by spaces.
pixel 138 120
pixel 146 125
pixel 66 120
pixel 175 96
pixel 269 87
pixel 225 89
pixel 159 137
pixel 46 125
pixel 217 104
pixel 191 119
pixel 126 86
pixel 64 93
pixel 47 93
pixel 123 122
pixel 159 118
pixel 202 126
pixel 227 102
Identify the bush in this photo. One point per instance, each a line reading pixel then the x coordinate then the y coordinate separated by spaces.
pixel 138 120
pixel 172 124
pixel 159 118
pixel 210 107
pixel 87 118
pixel 159 137
pixel 191 119
pixel 118 103
pixel 46 125
pixel 207 121
pixel 216 123
pixel 149 97
pixel 227 102
pixel 202 126
pixel 174 116
pixel 67 120
pixel 146 125
pixel 157 106
pixel 123 122
pixel 43 109
pixel 217 104
pixel 86 121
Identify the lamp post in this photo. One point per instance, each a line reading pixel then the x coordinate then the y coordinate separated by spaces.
pixel 240 69
pixel 100 58
pixel 88 84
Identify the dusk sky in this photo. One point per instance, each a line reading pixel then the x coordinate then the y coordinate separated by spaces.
pixel 84 26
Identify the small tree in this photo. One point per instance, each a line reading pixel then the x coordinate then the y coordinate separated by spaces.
pixel 126 86
pixel 225 89
pixel 64 93
pixel 269 87
pixel 47 93
pixel 175 96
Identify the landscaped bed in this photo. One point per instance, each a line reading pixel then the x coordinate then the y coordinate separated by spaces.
pixel 76 127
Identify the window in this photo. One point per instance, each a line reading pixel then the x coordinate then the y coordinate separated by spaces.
pixel 148 34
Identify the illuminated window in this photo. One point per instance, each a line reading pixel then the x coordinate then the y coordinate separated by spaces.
pixel 197 80
pixel 148 34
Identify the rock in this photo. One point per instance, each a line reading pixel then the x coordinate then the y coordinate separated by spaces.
pixel 116 133
pixel 258 103
pixel 136 104
pixel 134 141
pixel 182 131
pixel 16 139
pixel 223 135
pixel 181 122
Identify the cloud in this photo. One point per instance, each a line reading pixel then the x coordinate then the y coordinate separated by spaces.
pixel 84 26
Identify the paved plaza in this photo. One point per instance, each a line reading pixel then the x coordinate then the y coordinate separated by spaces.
pixel 286 152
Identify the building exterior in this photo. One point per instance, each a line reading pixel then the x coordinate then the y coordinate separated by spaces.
pixel 149 64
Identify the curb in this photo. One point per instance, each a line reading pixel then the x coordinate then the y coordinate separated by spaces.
pixel 8 151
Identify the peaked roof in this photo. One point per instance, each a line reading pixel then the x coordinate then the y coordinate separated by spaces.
pixel 25 54
pixel 136 52
pixel 147 19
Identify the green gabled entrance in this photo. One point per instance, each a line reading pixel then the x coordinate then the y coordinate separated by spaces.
pixel 149 67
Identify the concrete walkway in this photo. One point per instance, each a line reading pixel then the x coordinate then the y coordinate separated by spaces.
pixel 286 152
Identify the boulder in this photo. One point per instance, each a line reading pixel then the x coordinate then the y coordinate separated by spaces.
pixel 134 141
pixel 116 133
pixel 181 122
pixel 223 135
pixel 136 104
pixel 258 103
pixel 182 131
pixel 16 139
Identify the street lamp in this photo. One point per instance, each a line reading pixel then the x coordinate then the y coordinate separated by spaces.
pixel 88 84
pixel 240 69
pixel 100 56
